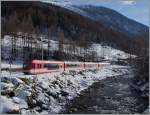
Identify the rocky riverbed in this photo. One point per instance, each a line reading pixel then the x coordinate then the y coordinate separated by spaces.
pixel 110 95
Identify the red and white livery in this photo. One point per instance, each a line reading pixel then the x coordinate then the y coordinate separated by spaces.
pixel 42 66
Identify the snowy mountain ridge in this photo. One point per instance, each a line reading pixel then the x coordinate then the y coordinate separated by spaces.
pixel 114 19
pixel 58 2
pixel 68 5
pixel 108 17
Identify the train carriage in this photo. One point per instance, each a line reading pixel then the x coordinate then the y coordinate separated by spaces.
pixel 101 65
pixel 42 66
pixel 74 65
pixel 91 65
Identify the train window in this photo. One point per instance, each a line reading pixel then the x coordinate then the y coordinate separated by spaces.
pixel 72 65
pixel 52 66
pixel 39 65
pixel 45 65
pixel 91 65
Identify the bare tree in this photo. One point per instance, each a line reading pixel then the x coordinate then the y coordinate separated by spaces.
pixel 61 43
pixel 12 22
pixel 27 24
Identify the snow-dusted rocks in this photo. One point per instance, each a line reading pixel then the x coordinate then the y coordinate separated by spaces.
pixel 48 93
pixel 8 106
pixel 5 86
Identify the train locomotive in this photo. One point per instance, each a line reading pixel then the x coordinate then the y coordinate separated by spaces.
pixel 43 66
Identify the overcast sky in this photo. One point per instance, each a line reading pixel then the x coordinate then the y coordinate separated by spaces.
pixel 134 9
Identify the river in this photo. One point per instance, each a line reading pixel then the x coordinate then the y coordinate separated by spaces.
pixel 110 95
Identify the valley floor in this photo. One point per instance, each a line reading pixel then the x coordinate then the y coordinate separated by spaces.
pixel 50 93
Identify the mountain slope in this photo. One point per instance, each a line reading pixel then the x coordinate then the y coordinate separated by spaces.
pixel 109 18
pixel 115 20
pixel 44 18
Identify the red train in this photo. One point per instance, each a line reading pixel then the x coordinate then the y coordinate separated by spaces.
pixel 41 66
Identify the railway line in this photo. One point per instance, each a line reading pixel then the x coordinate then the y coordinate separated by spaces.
pixel 43 66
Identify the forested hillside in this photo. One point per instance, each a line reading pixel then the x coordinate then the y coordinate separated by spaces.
pixel 45 19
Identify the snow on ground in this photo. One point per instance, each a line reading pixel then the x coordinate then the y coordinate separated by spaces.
pixel 48 93
pixel 106 52
pixel 7 43
pixel 8 105
pixel 15 64
pixel 110 53
pixel 147 110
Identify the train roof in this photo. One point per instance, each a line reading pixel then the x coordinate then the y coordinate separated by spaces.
pixel 46 61
pixel 73 62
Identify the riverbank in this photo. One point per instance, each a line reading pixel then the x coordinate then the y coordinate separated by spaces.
pixel 109 96
pixel 49 93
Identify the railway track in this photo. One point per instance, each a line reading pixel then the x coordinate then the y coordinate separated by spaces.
pixel 14 69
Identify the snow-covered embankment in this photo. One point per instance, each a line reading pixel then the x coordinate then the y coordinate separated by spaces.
pixel 49 93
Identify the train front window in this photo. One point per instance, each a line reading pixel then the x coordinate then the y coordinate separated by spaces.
pixel 51 66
